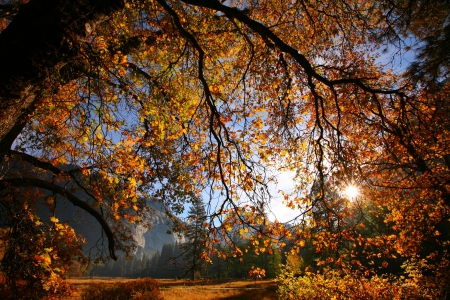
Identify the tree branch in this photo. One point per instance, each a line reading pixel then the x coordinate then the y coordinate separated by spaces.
pixel 43 36
pixel 42 184
pixel 267 34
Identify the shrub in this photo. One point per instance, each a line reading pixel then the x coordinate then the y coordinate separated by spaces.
pixel 333 285
pixel 134 290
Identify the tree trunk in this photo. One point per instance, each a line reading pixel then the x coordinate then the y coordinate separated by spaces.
pixel 42 38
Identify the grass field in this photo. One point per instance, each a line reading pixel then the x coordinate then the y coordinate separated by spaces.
pixel 199 289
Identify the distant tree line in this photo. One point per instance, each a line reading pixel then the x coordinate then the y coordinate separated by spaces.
pixel 170 263
pixel 192 259
pixel 164 264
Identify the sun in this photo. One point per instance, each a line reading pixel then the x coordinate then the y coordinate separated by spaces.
pixel 351 191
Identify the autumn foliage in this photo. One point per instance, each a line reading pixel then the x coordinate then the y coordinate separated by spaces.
pixel 257 273
pixel 37 256
pixel 169 101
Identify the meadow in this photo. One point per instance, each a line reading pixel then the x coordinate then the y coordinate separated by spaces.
pixel 171 289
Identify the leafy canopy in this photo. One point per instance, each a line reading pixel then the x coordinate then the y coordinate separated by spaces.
pixel 173 100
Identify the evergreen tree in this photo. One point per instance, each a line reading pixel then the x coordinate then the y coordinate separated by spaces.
pixel 196 235
pixel 154 264
pixel 164 262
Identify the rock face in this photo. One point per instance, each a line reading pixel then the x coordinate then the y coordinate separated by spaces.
pixel 150 241
pixel 147 241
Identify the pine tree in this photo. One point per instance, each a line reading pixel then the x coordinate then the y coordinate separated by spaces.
pixel 164 262
pixel 154 264
pixel 196 235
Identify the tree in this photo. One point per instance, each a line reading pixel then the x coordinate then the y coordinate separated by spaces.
pixel 166 100
pixel 196 238
pixel 168 266
pixel 36 44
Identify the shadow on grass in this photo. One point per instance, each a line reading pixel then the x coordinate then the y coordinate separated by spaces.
pixel 187 282
pixel 267 293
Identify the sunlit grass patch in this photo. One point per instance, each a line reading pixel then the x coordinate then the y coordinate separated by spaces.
pixel 184 289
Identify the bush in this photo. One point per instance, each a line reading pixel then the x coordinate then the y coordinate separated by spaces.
pixel 333 285
pixel 134 290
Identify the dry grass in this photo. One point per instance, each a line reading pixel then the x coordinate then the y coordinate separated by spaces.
pixel 80 284
pixel 218 289
pixel 200 289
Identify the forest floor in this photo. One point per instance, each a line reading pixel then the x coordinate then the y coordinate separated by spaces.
pixel 226 289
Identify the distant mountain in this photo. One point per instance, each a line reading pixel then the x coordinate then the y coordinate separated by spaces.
pixel 147 241
pixel 150 241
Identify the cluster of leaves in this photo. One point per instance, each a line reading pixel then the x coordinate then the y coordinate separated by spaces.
pixel 36 253
pixel 133 290
pixel 257 273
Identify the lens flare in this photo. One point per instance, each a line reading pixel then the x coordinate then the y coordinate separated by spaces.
pixel 351 191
